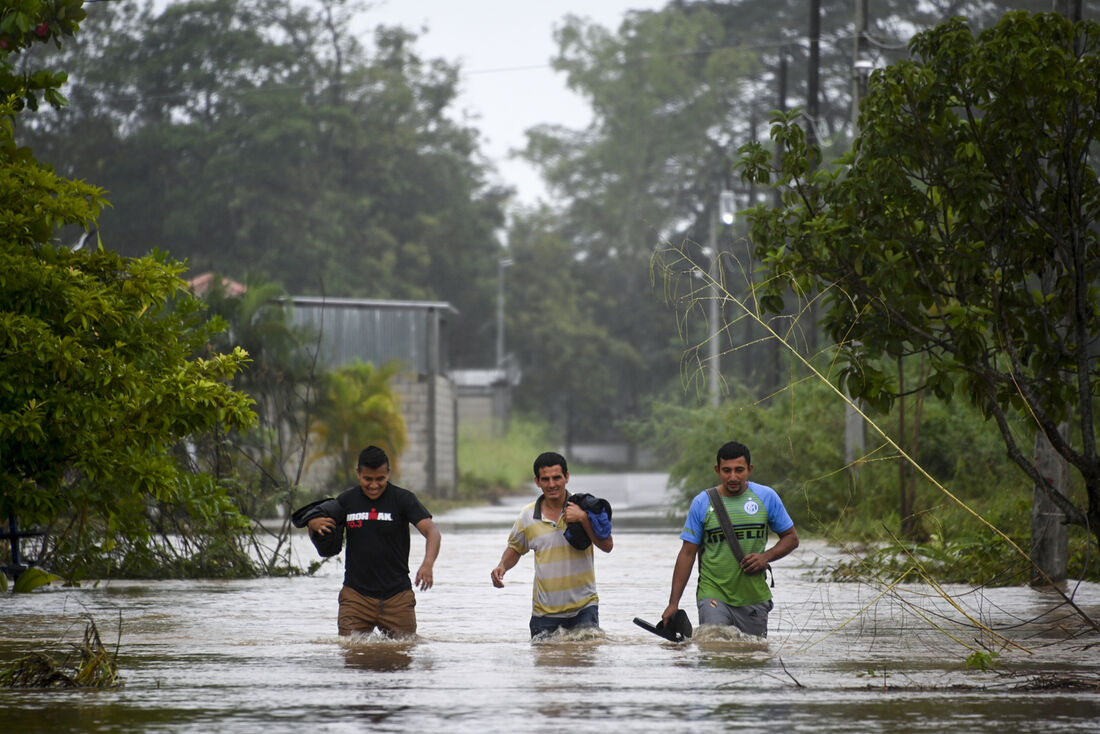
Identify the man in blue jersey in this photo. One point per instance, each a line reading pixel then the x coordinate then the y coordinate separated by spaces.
pixel 732 592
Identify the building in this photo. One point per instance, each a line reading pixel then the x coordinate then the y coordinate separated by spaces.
pixel 415 334
pixel 485 397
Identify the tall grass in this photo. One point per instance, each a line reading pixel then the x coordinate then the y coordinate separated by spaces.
pixel 493 466
pixel 796 438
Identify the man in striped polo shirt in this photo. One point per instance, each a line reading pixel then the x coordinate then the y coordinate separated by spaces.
pixel 731 591
pixel 564 593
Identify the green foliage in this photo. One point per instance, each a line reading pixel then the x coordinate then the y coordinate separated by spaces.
pixel 358 407
pixel 973 555
pixel 673 92
pixel 491 466
pixel 265 462
pixel 793 438
pixel 960 549
pixel 32 578
pixel 578 364
pixel 24 24
pixel 264 138
pixel 91 666
pixel 982 660
pixel 100 383
pixel 961 228
pixel 98 374
pixel 594 338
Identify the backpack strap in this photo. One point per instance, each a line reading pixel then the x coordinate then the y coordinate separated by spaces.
pixel 727 529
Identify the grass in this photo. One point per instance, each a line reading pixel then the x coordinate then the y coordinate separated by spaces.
pixel 494 466
pixel 87 665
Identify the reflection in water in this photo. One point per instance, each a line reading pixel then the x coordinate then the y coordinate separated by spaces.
pixel 376 651
pixel 358 715
pixel 564 661
pixel 728 647
pixel 565 648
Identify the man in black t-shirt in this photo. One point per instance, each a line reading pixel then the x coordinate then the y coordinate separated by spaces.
pixel 377 591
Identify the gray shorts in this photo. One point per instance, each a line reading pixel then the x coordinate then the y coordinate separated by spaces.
pixel 751 619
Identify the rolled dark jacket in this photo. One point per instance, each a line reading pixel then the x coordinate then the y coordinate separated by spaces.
pixel 594 506
pixel 332 542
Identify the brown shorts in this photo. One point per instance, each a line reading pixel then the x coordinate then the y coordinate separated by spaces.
pixel 395 616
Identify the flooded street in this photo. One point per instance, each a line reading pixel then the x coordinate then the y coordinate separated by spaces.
pixel 263 655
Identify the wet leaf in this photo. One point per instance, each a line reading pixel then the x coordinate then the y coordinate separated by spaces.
pixel 982 660
pixel 32 578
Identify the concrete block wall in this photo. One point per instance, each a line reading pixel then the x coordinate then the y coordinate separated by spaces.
pixel 416 406
pixel 446 438
pixel 412 468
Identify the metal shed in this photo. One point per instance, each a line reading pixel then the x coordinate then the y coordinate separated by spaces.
pixel 415 334
pixel 378 331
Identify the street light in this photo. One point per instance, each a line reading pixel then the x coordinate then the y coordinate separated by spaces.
pixel 862 61
pixel 727 207
pixel 725 212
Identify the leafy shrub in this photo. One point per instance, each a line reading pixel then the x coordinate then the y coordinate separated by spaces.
pixel 491 466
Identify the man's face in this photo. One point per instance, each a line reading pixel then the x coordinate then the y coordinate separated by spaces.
pixel 734 474
pixel 374 481
pixel 552 481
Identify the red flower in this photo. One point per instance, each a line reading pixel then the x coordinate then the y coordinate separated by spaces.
pixel 43 29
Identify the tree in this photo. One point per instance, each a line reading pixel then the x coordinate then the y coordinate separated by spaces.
pixel 261 139
pixel 674 92
pixel 579 369
pixel 98 373
pixel 646 166
pixel 961 228
pixel 263 466
pixel 358 407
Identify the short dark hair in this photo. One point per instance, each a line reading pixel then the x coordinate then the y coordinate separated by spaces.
pixel 734 450
pixel 373 457
pixel 549 458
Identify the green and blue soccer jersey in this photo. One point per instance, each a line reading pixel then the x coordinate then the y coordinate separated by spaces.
pixel 751 513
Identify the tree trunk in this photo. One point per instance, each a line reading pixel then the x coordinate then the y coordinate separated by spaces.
pixel 911 526
pixel 1049 537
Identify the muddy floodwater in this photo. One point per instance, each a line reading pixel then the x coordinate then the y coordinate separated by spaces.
pixel 263 655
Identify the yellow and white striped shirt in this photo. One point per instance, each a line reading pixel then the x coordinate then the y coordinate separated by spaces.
pixel 565 578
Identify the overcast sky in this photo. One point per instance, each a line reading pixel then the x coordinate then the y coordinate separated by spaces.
pixel 504 49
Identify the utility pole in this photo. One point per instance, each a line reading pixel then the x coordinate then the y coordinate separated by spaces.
pixel 854 432
pixel 713 366
pixel 723 212
pixel 861 61
pixel 502 263
pixel 781 105
pixel 813 73
pixel 1071 9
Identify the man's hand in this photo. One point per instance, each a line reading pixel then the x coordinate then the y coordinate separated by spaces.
pixel 754 563
pixel 574 513
pixel 669 611
pixel 321 525
pixel 424 577
pixel 497 576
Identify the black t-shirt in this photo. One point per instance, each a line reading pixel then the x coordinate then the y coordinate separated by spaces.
pixel 376 562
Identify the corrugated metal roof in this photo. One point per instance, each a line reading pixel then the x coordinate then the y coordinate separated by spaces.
pixel 377 331
pixel 375 303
